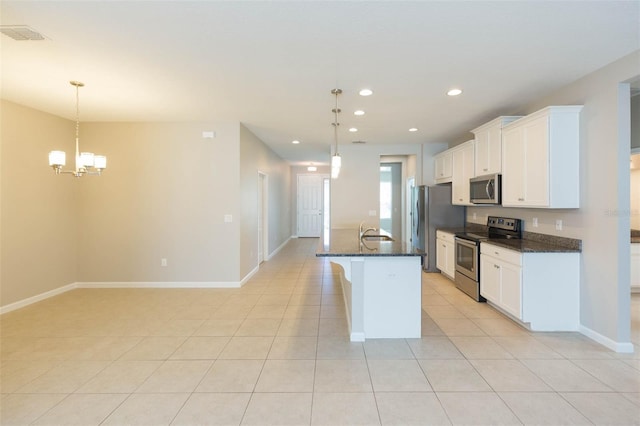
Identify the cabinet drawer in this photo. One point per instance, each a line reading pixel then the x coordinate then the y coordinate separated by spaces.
pixel 504 254
pixel 441 235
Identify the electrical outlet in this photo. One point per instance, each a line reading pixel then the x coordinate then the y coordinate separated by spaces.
pixel 372 213
pixel 475 215
pixel 228 218
pixel 558 224
pixel 535 222
pixel 163 262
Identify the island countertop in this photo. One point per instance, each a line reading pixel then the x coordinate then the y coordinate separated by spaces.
pixel 345 242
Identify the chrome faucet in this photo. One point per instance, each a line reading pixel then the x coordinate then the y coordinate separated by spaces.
pixel 363 232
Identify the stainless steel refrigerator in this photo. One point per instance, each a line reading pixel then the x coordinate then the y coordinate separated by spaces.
pixel 432 209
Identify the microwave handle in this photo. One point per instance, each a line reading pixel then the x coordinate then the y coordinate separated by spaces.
pixel 490 184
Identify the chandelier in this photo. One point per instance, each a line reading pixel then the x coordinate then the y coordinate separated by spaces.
pixel 336 160
pixel 86 162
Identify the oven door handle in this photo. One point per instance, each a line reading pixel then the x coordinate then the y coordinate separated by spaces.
pixel 466 243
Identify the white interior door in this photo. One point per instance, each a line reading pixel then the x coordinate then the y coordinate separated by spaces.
pixel 309 205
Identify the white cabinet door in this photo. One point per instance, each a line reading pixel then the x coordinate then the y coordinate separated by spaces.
pixel 525 169
pixel 450 249
pixel 540 159
pixel 513 172
pixel 489 279
pixel 536 164
pixel 488 156
pixel 443 167
pixel 511 289
pixel 463 170
pixel 441 255
pixel 445 252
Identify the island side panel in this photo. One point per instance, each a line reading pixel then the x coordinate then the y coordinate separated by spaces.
pixel 392 297
pixel 352 281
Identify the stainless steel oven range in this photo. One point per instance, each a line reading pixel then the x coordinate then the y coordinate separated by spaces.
pixel 467 249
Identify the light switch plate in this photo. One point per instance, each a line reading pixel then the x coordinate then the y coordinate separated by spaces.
pixel 208 134
pixel 559 225
pixel 372 213
pixel 228 218
pixel 535 222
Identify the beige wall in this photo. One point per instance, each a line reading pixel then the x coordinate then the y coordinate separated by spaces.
pixel 357 190
pixel 38 219
pixel 602 222
pixel 164 195
pixel 256 157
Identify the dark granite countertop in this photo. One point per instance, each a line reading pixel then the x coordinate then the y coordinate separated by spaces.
pixel 470 227
pixel 345 243
pixel 531 242
pixel 635 236
pixel 531 246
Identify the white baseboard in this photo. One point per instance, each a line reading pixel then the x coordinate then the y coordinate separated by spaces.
pixel 620 347
pixel 249 275
pixel 160 284
pixel 37 298
pixel 185 284
pixel 270 256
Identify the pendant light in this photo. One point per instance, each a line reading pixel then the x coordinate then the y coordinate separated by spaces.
pixel 336 160
pixel 86 162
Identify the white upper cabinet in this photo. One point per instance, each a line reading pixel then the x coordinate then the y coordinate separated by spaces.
pixel 463 170
pixel 488 155
pixel 541 159
pixel 444 167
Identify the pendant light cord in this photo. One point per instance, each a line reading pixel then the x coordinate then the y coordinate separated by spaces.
pixel 335 123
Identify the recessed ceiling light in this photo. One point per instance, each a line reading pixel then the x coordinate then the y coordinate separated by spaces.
pixel 353 130
pixel 413 129
pixel 358 112
pixel 454 92
pixel 366 92
pixel 296 142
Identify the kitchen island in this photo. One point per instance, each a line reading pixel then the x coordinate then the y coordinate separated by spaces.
pixel 381 283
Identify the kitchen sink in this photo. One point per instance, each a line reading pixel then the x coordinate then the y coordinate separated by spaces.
pixel 372 237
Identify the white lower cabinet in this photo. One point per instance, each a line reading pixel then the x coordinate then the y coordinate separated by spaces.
pixel 538 289
pixel 445 253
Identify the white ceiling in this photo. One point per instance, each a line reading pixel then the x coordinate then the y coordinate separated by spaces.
pixel 272 65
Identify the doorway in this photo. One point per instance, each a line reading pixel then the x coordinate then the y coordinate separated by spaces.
pixel 391 198
pixel 310 207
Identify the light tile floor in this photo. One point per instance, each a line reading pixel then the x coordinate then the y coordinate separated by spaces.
pixel 276 351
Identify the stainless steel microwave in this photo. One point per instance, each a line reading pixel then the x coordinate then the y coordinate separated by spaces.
pixel 486 189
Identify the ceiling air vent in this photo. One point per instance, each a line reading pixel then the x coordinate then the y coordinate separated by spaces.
pixel 20 32
pixel 358 142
